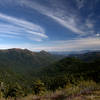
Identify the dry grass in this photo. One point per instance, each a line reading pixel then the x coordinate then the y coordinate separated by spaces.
pixel 60 95
pixel 83 91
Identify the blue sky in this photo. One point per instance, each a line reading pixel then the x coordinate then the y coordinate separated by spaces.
pixel 51 25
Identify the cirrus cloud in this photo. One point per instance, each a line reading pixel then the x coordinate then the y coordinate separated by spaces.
pixel 14 27
pixel 70 19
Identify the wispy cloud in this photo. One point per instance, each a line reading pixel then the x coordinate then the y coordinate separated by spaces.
pixel 77 44
pixel 19 28
pixel 71 45
pixel 71 20
pixel 66 16
pixel 62 15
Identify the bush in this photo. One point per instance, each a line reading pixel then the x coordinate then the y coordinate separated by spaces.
pixel 13 91
pixel 38 87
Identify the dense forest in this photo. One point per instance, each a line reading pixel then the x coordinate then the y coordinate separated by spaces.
pixel 23 72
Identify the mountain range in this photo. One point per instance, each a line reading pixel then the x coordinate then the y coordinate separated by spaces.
pixel 24 66
pixel 23 59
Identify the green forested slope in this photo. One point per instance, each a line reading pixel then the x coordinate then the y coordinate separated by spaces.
pixel 18 59
pixel 34 71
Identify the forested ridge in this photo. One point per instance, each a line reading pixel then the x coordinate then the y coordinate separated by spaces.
pixel 23 72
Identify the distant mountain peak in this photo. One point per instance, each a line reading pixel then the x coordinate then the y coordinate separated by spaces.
pixel 23 58
pixel 44 52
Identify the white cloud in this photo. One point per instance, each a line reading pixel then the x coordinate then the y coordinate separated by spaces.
pixel 98 35
pixel 8 46
pixel 9 36
pixel 60 14
pixel 21 27
pixel 69 20
pixel 90 43
pixel 37 33
pixel 69 23
pixel 71 45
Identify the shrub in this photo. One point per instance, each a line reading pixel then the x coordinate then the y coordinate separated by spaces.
pixel 38 87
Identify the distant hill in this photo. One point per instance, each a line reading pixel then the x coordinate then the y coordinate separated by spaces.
pixel 23 59
pixel 66 53
pixel 89 56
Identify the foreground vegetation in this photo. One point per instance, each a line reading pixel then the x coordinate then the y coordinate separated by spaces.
pixel 84 90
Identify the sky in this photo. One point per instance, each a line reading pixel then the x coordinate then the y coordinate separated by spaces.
pixel 51 25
